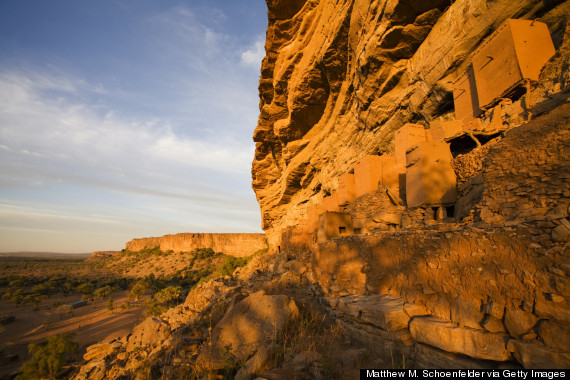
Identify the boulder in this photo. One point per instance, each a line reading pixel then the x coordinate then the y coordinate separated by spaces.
pixel 101 350
pixel 386 345
pixel 252 323
pixel 263 360
pixel 415 310
pixel 204 294
pixel 289 278
pixel 477 344
pixel 493 325
pixel 304 360
pixel 384 311
pixel 554 335
pixel 433 358
pixel 150 333
pixel 519 322
pixel 295 267
pixel 537 356
pixel 545 307
pixel 560 233
pixel 467 312
pixel 494 308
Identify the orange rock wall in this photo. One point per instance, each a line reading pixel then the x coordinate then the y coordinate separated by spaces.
pixel 238 245
pixel 340 77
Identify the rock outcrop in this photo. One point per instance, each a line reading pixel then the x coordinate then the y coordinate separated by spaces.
pixel 247 326
pixel 238 245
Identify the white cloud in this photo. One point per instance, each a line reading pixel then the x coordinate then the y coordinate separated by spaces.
pixel 254 55
pixel 32 123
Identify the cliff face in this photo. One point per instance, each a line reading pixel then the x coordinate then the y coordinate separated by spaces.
pixel 238 245
pixel 340 77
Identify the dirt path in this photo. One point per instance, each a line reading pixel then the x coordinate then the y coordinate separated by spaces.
pixel 90 324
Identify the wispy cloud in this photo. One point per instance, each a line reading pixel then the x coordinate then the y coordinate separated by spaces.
pixel 33 123
pixel 254 55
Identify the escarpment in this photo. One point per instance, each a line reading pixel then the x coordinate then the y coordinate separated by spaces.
pixel 341 77
pixel 236 244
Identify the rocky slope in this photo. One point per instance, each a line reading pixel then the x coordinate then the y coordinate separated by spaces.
pixel 340 77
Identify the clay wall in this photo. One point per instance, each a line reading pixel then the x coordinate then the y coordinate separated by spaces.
pixel 334 224
pixel 393 175
pixel 430 179
pixel 405 138
pixel 313 212
pixel 330 203
pixel 237 244
pixel 442 130
pixel 465 97
pixel 367 173
pixel 346 191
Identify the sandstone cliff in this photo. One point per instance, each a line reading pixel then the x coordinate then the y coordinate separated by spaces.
pixel 340 77
pixel 236 244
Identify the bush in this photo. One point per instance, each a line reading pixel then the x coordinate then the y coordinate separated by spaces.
pixel 48 357
pixel 86 289
pixel 167 295
pixel 138 290
pixel 103 292
pixel 153 308
pixel 231 263
pixel 204 253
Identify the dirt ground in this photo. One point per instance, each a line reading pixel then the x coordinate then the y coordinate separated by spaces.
pixel 90 324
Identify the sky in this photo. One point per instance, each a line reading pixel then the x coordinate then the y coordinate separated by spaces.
pixel 122 119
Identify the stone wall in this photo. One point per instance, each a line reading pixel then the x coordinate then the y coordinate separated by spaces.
pixel 237 244
pixel 493 286
pixel 485 283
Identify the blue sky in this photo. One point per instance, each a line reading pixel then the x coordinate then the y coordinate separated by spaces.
pixel 126 118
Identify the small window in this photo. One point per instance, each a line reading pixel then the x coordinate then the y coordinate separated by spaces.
pixel 342 230
pixel 450 211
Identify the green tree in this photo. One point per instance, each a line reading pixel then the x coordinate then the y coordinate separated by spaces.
pixel 63 310
pixel 138 290
pixel 86 289
pixel 35 299
pixel 48 357
pixel 103 292
pixel 231 263
pixel 153 308
pixel 110 306
pixel 167 295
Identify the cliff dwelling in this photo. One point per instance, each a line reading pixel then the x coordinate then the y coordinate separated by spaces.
pixel 436 172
